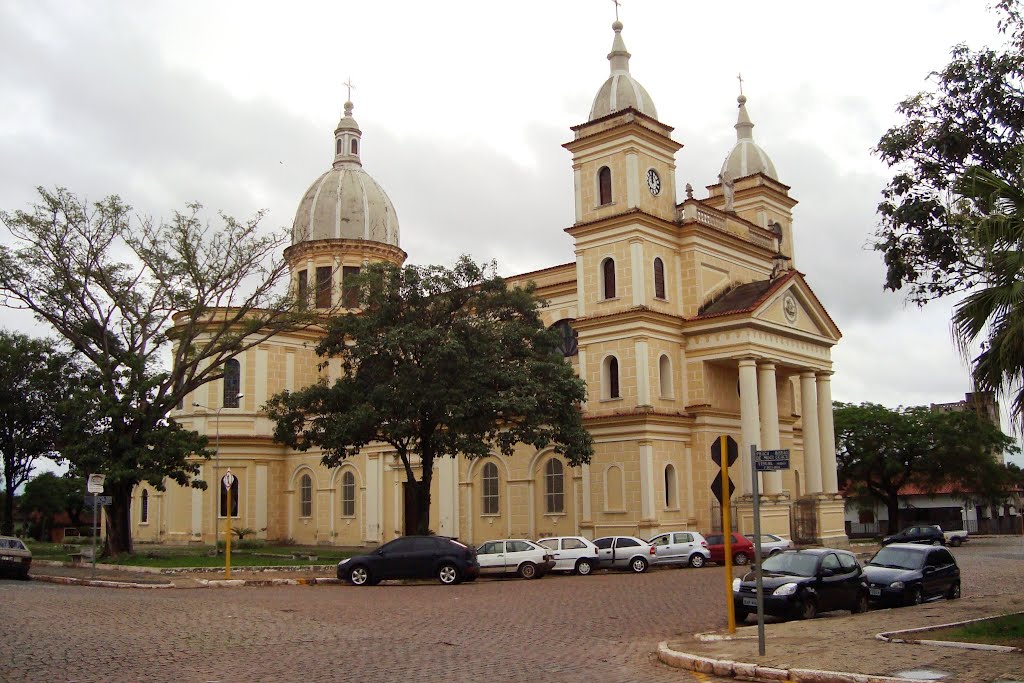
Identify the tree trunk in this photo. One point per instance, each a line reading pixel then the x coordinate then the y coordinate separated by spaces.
pixel 423 494
pixel 892 503
pixel 119 527
pixel 7 526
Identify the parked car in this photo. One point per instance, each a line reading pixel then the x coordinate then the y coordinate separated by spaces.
pixel 742 549
pixel 909 574
pixel 799 584
pixel 771 544
pixel 681 547
pixel 572 553
pixel 957 537
pixel 514 556
pixel 15 557
pixel 413 557
pixel 928 534
pixel 625 552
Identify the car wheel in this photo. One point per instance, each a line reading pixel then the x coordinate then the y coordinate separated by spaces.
pixel 955 542
pixel 23 576
pixel 696 560
pixel 741 615
pixel 741 559
pixel 528 570
pixel 915 597
pixel 954 592
pixel 448 574
pixel 861 605
pixel 774 551
pixel 807 609
pixel 584 567
pixel 359 576
pixel 638 565
pixel 936 542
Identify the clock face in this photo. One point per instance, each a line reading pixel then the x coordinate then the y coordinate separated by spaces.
pixel 654 182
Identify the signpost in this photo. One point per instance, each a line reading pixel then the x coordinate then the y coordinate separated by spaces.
pixel 762 461
pixel 94 485
pixel 227 481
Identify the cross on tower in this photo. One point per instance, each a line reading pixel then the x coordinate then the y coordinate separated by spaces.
pixel 616 2
pixel 740 78
pixel 348 84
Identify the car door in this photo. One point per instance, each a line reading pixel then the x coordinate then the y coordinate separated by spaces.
pixel 664 548
pixel 491 556
pixel 393 559
pixel 938 572
pixel 684 545
pixel 853 583
pixel 625 549
pixel 517 552
pixel 830 583
pixel 605 551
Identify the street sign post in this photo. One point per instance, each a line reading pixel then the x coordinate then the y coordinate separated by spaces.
pixel 227 481
pixel 94 485
pixel 762 461
pixel 98 500
pixel 771 461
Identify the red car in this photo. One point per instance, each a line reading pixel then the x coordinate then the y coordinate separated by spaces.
pixel 742 548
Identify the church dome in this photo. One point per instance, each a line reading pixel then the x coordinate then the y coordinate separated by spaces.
pixel 621 90
pixel 346 202
pixel 746 158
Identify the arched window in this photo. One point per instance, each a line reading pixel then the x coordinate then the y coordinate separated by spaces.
pixel 348 495
pixel 354 147
pixel 306 496
pixel 144 512
pixel 608 278
pixel 613 489
pixel 232 383
pixel 554 486
pixel 337 146
pixel 490 481
pixel 671 487
pixel 665 376
pixel 659 279
pixel 224 498
pixel 610 377
pixel 569 346
pixel 604 185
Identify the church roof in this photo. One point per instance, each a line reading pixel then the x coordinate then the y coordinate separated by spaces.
pixel 346 202
pixel 745 297
pixel 621 90
pixel 746 158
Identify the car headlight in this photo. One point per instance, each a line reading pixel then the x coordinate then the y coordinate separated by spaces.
pixel 785 589
pixel 898 585
pixel 345 561
pixel 736 585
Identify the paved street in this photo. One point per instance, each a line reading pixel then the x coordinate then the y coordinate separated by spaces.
pixel 560 628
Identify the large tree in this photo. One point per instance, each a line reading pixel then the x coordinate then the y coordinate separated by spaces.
pixel 438 362
pixel 973 116
pixel 34 375
pixel 155 308
pixel 880 451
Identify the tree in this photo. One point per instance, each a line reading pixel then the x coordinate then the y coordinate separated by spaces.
pixel 154 309
pixel 439 362
pixel 48 494
pixel 34 375
pixel 880 451
pixel 974 116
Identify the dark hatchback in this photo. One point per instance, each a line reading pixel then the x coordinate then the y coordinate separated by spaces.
pixel 413 557
pixel 926 534
pixel 799 584
pixel 908 574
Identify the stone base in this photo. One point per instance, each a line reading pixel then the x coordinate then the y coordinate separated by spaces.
pixel 774 515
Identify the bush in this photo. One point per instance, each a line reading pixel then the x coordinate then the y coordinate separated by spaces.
pixel 251 544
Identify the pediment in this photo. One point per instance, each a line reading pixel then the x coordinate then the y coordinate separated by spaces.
pixel 796 307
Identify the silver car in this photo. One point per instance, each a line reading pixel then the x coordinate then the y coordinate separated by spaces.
pixel 625 552
pixel 572 553
pixel 681 547
pixel 771 544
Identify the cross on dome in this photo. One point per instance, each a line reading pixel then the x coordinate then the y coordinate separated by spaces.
pixel 616 3
pixel 348 84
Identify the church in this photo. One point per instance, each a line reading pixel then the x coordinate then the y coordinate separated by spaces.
pixel 686 317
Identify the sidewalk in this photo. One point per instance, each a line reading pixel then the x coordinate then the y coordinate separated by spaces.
pixel 848 648
pixel 116 576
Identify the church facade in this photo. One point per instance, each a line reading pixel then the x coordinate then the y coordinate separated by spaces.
pixel 686 318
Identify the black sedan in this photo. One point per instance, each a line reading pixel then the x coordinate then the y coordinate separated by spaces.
pixel 927 534
pixel 909 574
pixel 800 583
pixel 413 557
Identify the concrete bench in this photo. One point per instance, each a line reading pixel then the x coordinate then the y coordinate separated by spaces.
pixel 80 557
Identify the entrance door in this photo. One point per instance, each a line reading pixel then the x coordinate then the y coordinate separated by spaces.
pixel 412 518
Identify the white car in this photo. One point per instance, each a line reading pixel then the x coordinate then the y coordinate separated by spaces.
pixel 514 556
pixel 681 547
pixel 625 552
pixel 572 553
pixel 771 544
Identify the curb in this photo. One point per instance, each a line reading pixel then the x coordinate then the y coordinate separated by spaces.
pixel 98 583
pixel 202 583
pixel 891 637
pixel 747 671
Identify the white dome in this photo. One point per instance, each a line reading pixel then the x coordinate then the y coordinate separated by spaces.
pixel 621 90
pixel 346 202
pixel 746 158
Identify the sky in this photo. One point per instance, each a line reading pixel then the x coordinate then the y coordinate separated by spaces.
pixel 464 106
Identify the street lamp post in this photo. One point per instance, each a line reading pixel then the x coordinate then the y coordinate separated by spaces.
pixel 216 474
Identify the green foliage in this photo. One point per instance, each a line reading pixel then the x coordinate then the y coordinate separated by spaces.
pixel 879 451
pixel 438 362
pixel 49 494
pixel 972 117
pixel 128 294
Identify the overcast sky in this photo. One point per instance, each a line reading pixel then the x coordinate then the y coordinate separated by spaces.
pixel 464 106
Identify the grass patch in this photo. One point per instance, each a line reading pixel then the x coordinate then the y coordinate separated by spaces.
pixel 1007 630
pixel 264 555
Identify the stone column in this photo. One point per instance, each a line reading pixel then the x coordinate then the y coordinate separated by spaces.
pixel 829 475
pixel 750 422
pixel 769 402
pixel 812 439
pixel 636 253
pixel 647 496
pixel 643 374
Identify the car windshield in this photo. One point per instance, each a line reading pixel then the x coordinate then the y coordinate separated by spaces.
pixel 897 558
pixel 793 564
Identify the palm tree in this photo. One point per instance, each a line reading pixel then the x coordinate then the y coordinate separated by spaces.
pixel 994 311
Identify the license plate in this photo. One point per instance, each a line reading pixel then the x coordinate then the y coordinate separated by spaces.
pixel 750 602
pixel 875 591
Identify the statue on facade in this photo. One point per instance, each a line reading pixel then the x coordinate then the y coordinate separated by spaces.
pixel 728 189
